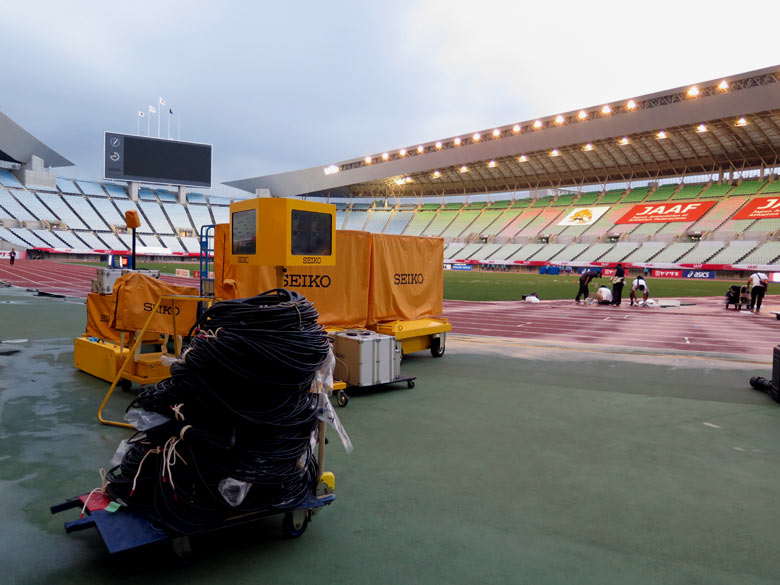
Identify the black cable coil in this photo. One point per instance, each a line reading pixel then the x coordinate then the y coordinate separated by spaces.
pixel 240 406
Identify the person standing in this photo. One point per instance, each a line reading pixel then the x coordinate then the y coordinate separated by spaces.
pixel 758 283
pixel 13 256
pixel 617 284
pixel 586 277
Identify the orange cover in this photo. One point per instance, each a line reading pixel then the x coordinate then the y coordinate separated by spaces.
pixel 407 278
pixel 136 294
pixel 100 313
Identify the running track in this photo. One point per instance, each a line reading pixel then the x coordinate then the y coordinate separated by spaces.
pixel 704 327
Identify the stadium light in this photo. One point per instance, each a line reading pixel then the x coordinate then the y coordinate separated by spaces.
pixel 496 133
pixel 516 128
pixel 457 141
pixel 399 181
pixel 693 91
pixel 464 169
pixel 631 105
pixel 522 158
pixel 385 156
pixel 583 115
pixel 436 174
pixel 623 141
pixel 408 179
pixel 741 122
pixel 606 110
pixel 438 145
pixel 661 135
pixel 402 152
pixel 537 124
pixel 701 128
pixel 588 147
pixel 331 169
pixel 723 85
pixel 559 119
pixel 367 160
pixel 420 149
pixel 492 164
pixel 554 152
pixel 476 136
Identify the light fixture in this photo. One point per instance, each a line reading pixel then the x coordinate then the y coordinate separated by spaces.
pixel 496 133
pixel 583 115
pixel 436 174
pixel 420 149
pixel 385 156
pixel 408 179
pixel 588 147
pixel 606 110
pixel 693 91
pixel 516 128
pixel 538 124
pixel 464 169
pixel 399 181
pixel 559 119
pixel 367 160
pixel 701 128
pixel 631 105
pixel 661 135
pixel 522 158
pixel 476 136
pixel 438 145
pixel 329 170
pixel 741 122
pixel 402 152
pixel 492 164
pixel 623 141
pixel 554 152
pixel 723 85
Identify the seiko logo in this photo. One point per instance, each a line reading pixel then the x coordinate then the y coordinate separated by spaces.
pixel 312 260
pixel 307 280
pixel 105 319
pixel 161 310
pixel 242 260
pixel 408 278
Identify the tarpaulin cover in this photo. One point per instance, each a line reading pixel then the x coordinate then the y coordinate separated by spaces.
pixel 760 208
pixel 340 292
pixel 136 294
pixel 407 278
pixel 100 313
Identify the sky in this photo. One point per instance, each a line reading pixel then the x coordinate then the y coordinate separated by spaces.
pixel 281 86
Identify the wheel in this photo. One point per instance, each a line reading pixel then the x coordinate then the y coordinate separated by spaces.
pixel 437 347
pixel 410 384
pixel 341 398
pixel 125 385
pixel 294 524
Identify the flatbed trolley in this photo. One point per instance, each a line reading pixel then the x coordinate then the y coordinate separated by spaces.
pixel 340 388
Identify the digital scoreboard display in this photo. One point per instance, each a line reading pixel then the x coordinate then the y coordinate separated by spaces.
pixel 155 160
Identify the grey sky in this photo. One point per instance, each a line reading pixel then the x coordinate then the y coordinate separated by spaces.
pixel 277 86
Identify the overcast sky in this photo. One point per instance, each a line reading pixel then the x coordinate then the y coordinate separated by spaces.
pixel 279 86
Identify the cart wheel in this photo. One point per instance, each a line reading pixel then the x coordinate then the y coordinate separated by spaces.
pixel 289 527
pixel 437 348
pixel 410 384
pixel 341 398
pixel 125 385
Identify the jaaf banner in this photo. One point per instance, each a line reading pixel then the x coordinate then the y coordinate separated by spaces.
pixel 760 208
pixel 583 216
pixel 666 212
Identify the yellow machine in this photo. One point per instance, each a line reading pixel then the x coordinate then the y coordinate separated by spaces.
pixel 418 335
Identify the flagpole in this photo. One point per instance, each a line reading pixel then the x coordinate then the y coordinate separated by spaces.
pixel 169 123
pixel 158 120
pixel 148 121
pixel 178 123
pixel 137 124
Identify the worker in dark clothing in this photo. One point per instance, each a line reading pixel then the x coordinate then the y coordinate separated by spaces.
pixel 617 284
pixel 586 277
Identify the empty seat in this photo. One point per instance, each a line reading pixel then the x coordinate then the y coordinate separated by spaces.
pixel 398 222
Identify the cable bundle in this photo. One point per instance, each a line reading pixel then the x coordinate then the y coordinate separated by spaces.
pixel 240 406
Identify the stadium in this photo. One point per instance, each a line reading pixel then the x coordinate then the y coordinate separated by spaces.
pixel 577 444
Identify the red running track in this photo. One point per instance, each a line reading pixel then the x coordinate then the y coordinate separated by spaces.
pixel 55 277
pixel 706 326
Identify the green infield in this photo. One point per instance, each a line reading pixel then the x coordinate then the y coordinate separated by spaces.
pixel 163 267
pixel 510 286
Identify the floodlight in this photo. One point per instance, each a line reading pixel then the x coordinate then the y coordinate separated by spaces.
pixel 741 122
pixel 457 141
pixel 516 128
pixel 402 152
pixel 693 91
pixel 583 115
pixel 522 158
pixel 420 149
pixel 436 174
pixel 606 110
pixel 623 141
pixel 438 145
pixel 559 119
pixel 476 136
pixel 723 85
pixel 631 105
pixel 408 179
pixel 399 181
pixel 554 152
pixel 329 170
pixel 538 124
pixel 661 135
pixel 385 156
pixel 496 133
pixel 367 160
pixel 492 164
pixel 588 147
pixel 701 128
pixel 464 169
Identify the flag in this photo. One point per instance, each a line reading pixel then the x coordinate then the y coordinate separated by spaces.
pixel 170 111
pixel 140 114
pixel 162 102
pixel 152 110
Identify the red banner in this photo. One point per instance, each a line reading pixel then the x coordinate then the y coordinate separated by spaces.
pixel 666 212
pixel 760 208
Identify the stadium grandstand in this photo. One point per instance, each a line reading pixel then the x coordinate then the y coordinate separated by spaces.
pixel 686 177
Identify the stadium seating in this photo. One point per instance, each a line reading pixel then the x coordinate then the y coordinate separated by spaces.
pixel 735 251
pixel 71 240
pixel 460 223
pixel 612 196
pixel 619 252
pixel 688 192
pixel 466 252
pixel 606 223
pixel 200 216
pixel 221 213
pixel 441 221
pixel 527 252
pixel 13 209
pixel 108 211
pixel 705 250
pixel 505 252
pixel 356 220
pixel 587 199
pixel 548 251
pixel 594 252
pixel 10 237
pixel 771 188
pixel 62 211
pixel 718 214
pixel 662 193
pixel 542 202
pixel 510 222
pixel 762 228
pixel 452 248
pixel 635 195
pixel 673 252
pixel 398 222
pixel 33 204
pixel 714 191
pixel 570 252
pixel 767 253
pixel 419 222
pixel 177 215
pixel 7 179
pixel 377 220
pixel 645 252
pixel 748 188
pixel 481 223
pixel 67 186
pixel 485 252
pixel 86 212
pixel 538 224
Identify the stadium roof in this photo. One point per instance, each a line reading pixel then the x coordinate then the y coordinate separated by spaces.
pixel 18 146
pixel 715 126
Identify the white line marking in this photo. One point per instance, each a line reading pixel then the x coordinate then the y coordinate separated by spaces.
pixel 606 318
pixel 738 449
pixel 524 324
pixel 686 340
pixel 706 424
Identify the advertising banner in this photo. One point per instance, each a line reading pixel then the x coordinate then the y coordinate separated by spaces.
pixel 461 266
pixel 760 208
pixel 666 212
pixel 698 274
pixel 135 296
pixel 667 273
pixel 583 216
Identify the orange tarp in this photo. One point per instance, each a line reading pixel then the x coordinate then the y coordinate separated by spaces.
pixel 340 293
pixel 136 294
pixel 407 278
pixel 100 313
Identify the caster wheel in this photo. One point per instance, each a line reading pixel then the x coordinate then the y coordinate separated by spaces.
pixel 341 398
pixel 410 384
pixel 295 527
pixel 437 347
pixel 125 385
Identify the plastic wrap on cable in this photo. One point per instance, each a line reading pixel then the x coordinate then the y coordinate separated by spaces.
pixel 242 404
